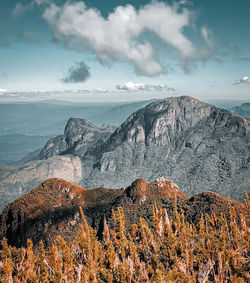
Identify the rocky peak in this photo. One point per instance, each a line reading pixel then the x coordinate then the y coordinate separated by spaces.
pixel 138 190
pixel 160 120
pixel 193 143
pixel 108 127
pixel 79 135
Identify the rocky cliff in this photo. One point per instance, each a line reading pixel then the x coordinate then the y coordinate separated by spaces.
pixel 78 136
pixel 197 145
pixel 52 208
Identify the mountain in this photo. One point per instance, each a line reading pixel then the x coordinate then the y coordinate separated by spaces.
pixel 25 127
pixel 35 172
pixel 79 134
pixel 52 208
pixel 243 109
pixel 195 144
pixel 16 149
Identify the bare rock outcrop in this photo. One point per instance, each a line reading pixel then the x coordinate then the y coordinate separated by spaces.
pixel 78 136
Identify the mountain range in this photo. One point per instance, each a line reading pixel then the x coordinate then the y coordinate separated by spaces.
pixel 243 109
pixel 25 127
pixel 197 145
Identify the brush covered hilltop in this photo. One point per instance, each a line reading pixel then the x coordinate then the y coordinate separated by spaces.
pixel 147 232
pixel 195 144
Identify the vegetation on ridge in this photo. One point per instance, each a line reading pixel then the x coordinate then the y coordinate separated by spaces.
pixel 215 249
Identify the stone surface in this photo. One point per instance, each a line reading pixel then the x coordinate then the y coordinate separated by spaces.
pixel 197 145
pixel 79 135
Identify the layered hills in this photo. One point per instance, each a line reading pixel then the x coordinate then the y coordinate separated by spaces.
pixel 195 144
pixel 243 109
pixel 52 208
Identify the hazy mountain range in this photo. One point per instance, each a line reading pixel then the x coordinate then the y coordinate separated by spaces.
pixel 25 127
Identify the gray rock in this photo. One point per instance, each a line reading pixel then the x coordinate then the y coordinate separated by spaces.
pixel 79 134
pixel 197 145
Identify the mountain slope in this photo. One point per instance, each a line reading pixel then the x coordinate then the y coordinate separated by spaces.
pixel 52 208
pixel 197 145
pixel 79 134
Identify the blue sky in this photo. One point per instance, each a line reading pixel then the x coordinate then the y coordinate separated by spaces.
pixel 129 49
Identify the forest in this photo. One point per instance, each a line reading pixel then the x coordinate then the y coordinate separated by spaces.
pixel 216 249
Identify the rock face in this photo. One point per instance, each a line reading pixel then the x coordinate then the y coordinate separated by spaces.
pixel 59 158
pixel 52 208
pixel 35 172
pixel 197 145
pixel 78 136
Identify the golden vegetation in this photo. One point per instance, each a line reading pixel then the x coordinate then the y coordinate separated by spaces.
pixel 173 250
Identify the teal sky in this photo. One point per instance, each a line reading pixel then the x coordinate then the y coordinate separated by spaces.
pixel 124 49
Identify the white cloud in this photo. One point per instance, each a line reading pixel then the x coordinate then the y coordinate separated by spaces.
pixel 244 80
pixel 118 37
pixel 132 86
pixel 2 90
pixel 99 89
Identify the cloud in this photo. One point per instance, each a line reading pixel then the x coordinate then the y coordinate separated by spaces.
pixel 40 2
pixel 244 80
pixel 21 9
pixel 3 90
pixel 132 86
pixel 99 89
pixel 78 73
pixel 120 36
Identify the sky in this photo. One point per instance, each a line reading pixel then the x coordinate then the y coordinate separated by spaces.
pixel 124 50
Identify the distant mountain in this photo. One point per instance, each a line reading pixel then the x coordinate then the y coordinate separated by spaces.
pixel 79 135
pixel 52 208
pixel 14 148
pixel 25 127
pixel 197 145
pixel 21 161
pixel 243 109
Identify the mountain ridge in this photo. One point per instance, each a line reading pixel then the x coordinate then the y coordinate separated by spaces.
pixel 52 208
pixel 195 144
